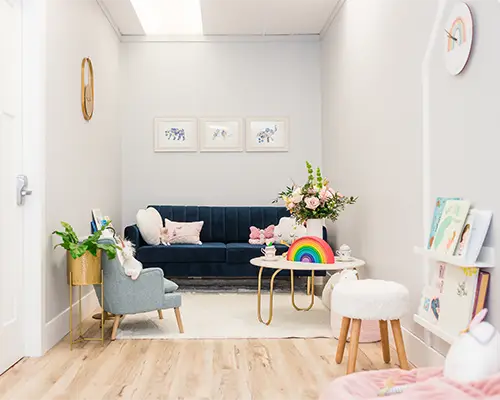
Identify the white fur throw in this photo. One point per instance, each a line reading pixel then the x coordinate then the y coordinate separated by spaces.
pixel 370 299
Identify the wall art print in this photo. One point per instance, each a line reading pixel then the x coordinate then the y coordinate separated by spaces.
pixel 267 134
pixel 176 134
pixel 221 134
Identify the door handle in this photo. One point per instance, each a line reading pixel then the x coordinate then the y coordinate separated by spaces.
pixel 22 189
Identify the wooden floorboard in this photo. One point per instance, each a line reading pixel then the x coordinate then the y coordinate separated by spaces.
pixel 270 369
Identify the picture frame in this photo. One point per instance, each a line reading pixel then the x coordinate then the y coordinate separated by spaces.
pixel 221 134
pixel 267 134
pixel 175 135
pixel 97 218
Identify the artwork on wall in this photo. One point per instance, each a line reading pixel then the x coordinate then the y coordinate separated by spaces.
pixel 87 88
pixel 176 134
pixel 267 134
pixel 221 134
pixel 459 31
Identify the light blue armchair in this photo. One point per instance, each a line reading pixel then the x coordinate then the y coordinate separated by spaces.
pixel 149 292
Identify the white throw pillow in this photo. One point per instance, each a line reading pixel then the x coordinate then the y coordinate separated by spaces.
pixel 288 230
pixel 181 232
pixel 149 223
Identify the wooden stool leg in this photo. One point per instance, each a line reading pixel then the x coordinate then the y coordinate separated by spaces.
pixel 344 331
pixel 384 335
pixel 400 345
pixel 115 326
pixel 160 314
pixel 353 348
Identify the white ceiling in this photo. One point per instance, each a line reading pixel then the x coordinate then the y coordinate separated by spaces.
pixel 238 17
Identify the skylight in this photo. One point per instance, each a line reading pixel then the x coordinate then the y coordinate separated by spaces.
pixel 169 17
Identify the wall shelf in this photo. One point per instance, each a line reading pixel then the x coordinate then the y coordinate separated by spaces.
pixel 485 260
pixel 436 330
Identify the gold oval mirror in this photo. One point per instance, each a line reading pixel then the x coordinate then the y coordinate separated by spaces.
pixel 87 88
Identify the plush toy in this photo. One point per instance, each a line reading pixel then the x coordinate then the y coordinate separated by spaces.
pixel 131 265
pixel 475 355
pixel 345 275
pixel 288 230
pixel 261 236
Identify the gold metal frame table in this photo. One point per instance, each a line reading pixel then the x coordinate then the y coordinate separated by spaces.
pixel 281 264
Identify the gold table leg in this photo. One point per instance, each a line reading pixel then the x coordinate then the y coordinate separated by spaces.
pixel 293 292
pixel 259 296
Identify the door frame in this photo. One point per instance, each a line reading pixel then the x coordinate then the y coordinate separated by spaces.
pixel 35 242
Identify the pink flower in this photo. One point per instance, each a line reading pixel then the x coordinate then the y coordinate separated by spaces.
pixel 340 194
pixel 312 202
pixel 290 205
pixel 325 194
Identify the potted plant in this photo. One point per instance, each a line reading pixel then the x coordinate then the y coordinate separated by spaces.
pixel 314 202
pixel 84 256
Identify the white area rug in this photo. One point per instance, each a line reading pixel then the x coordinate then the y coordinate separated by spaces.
pixel 231 316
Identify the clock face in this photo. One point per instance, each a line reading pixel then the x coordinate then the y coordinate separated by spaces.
pixel 459 31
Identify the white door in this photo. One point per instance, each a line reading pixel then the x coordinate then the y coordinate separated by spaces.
pixel 11 215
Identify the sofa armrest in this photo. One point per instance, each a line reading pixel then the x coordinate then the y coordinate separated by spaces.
pixel 133 234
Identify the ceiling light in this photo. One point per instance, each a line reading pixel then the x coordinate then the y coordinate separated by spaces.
pixel 169 17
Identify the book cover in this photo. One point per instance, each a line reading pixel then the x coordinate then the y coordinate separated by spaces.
pixel 450 226
pixel 457 300
pixel 438 211
pixel 481 220
pixel 429 305
pixel 465 235
pixel 481 292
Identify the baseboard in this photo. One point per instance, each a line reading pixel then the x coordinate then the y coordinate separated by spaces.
pixel 419 353
pixel 58 327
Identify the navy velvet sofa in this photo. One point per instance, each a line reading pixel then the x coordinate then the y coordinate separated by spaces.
pixel 225 251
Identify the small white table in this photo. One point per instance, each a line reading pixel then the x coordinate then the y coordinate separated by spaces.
pixel 281 264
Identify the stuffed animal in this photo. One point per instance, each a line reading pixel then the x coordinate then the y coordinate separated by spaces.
pixel 131 265
pixel 288 230
pixel 475 355
pixel 345 275
pixel 261 236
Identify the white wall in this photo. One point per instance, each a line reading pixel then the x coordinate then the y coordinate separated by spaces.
pixel 83 159
pixel 216 79
pixel 372 130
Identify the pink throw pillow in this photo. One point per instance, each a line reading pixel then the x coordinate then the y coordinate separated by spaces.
pixel 181 232
pixel 261 236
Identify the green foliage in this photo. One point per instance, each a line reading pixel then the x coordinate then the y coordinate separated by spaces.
pixel 76 249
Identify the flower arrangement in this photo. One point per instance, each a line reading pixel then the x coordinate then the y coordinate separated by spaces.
pixel 315 200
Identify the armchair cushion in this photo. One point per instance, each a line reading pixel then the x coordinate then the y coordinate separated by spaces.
pixel 182 253
pixel 171 300
pixel 169 286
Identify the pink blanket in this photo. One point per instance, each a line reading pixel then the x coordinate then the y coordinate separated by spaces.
pixel 424 384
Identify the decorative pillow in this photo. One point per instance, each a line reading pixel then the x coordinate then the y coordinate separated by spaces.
pixel 181 232
pixel 149 223
pixel 169 286
pixel 261 236
pixel 288 230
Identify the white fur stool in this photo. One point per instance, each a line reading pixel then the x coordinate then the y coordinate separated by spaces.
pixel 370 299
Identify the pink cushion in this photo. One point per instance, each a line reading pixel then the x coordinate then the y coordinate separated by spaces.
pixel 424 384
pixel 370 331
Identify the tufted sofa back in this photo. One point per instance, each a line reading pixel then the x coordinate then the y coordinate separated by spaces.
pixel 224 224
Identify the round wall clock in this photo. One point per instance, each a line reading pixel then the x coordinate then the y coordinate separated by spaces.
pixel 87 88
pixel 459 31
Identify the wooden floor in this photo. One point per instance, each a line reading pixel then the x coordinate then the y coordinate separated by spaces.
pixel 274 369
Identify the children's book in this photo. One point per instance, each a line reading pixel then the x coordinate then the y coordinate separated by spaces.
pixel 481 292
pixel 450 226
pixel 429 305
pixel 473 236
pixel 457 300
pixel 438 211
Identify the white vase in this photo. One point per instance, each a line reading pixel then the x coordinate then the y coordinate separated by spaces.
pixel 314 227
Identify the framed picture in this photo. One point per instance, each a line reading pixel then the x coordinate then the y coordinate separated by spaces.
pixel 267 134
pixel 97 217
pixel 221 134
pixel 176 134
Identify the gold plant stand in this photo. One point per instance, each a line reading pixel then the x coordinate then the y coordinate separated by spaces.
pixel 83 271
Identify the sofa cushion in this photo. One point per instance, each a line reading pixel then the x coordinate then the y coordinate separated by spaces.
pixel 182 253
pixel 169 286
pixel 242 253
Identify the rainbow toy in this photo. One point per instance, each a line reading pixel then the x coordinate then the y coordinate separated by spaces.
pixel 310 249
pixel 457 32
